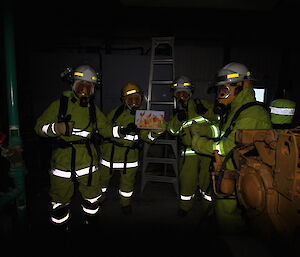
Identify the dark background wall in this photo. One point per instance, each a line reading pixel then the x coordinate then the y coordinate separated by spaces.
pixel 116 39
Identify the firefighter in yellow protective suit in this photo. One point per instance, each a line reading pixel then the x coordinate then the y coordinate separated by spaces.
pixel 121 152
pixel 74 123
pixel 194 167
pixel 239 110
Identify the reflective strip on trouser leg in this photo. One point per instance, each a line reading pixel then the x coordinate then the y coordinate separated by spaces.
pixel 125 194
pixel 189 169
pixel 187 197
pixel 205 195
pixel 60 213
pixel 91 206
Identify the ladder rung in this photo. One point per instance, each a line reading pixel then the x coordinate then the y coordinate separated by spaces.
pixel 163 61
pixel 160 160
pixel 157 178
pixel 162 102
pixel 161 82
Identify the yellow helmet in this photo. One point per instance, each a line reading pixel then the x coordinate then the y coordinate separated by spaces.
pixel 132 95
pixel 130 88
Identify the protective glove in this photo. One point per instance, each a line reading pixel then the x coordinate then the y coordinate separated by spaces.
pixel 202 145
pixel 131 128
pixel 202 130
pixel 64 128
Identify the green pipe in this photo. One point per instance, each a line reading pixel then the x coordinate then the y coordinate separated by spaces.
pixel 17 172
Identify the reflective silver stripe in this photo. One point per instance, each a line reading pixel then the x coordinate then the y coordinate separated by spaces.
pixel 45 128
pixel 205 196
pixel 282 111
pixel 150 136
pixel 215 131
pixel 125 194
pixel 78 132
pixel 174 132
pixel 116 132
pixel 59 221
pixel 188 151
pixel 119 165
pixel 186 197
pixel 90 211
pixel 93 200
pixel 53 128
pixel 131 137
pixel 199 119
pixel 219 147
pixel 104 189
pixel 67 174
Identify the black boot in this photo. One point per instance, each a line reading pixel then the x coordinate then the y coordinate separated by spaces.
pixel 126 210
pixel 91 222
pixel 182 213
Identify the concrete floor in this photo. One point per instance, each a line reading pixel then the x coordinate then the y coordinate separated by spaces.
pixel 153 229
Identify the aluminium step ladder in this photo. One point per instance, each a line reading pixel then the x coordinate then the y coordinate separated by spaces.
pixel 162 73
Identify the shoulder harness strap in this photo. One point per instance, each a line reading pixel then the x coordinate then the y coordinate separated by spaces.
pixel 63 107
pixel 200 108
pixel 236 115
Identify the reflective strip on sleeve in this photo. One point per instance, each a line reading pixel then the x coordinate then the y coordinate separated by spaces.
pixel 116 132
pixel 188 152
pixel 150 136
pixel 53 128
pixel 198 119
pixel 174 132
pixel 215 131
pixel 125 194
pixel 219 147
pixel 79 132
pixel 131 137
pixel 119 165
pixel 67 174
pixel 282 111
pixel 45 128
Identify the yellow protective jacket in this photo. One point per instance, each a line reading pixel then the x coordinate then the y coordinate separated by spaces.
pixel 119 149
pixel 181 128
pixel 254 117
pixel 61 156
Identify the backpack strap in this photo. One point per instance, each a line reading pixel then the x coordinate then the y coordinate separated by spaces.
pixel 118 112
pixel 200 108
pixel 63 107
pixel 238 112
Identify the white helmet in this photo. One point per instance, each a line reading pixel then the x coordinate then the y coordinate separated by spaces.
pixel 86 73
pixel 182 83
pixel 233 72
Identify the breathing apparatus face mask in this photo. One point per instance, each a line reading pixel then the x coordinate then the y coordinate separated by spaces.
pixel 227 93
pixel 133 102
pixel 84 90
pixel 182 96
